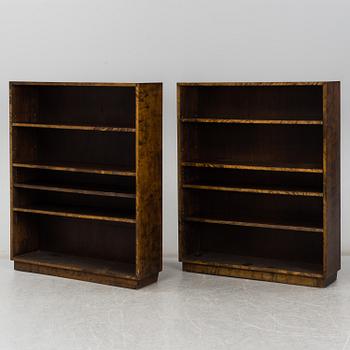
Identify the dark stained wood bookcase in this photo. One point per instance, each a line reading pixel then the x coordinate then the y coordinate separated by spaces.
pixel 86 180
pixel 259 180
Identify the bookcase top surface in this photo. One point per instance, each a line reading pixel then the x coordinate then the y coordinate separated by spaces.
pixel 302 83
pixel 106 84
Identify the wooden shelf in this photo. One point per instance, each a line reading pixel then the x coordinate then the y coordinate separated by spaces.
pixel 82 213
pixel 247 120
pixel 75 127
pixel 256 264
pixel 254 190
pixel 78 263
pixel 255 224
pixel 306 169
pixel 79 168
pixel 79 190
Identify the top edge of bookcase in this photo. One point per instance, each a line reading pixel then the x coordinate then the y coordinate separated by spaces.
pixel 304 83
pixel 91 84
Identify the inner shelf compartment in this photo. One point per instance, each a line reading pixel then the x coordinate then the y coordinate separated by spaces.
pixel 53 147
pixel 252 209
pixel 74 244
pixel 75 204
pixel 253 248
pixel 252 102
pixel 282 146
pixel 74 182
pixel 100 106
pixel 268 182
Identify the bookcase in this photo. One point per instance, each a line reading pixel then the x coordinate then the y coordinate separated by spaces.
pixel 259 180
pixel 86 180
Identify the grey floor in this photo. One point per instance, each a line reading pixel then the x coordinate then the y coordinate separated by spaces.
pixel 182 311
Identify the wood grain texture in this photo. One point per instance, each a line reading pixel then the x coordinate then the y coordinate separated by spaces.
pixel 253 167
pixel 255 224
pixel 254 190
pixel 93 84
pixel 79 168
pixel 75 190
pixel 148 179
pixel 269 83
pixel 252 121
pixel 229 134
pixel 260 275
pixel 331 178
pixel 67 214
pixel 73 127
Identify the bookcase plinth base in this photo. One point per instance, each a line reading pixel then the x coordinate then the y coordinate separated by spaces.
pixel 86 276
pixel 295 279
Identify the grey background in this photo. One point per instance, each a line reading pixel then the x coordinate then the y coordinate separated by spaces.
pixel 171 41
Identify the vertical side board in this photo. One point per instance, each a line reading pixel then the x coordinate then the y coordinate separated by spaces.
pixel 331 177
pixel 180 174
pixel 148 179
pixel 11 92
pixel 21 104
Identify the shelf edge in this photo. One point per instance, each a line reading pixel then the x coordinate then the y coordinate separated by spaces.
pixel 254 224
pixel 74 215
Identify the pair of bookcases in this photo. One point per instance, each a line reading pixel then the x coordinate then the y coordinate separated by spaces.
pixel 258 180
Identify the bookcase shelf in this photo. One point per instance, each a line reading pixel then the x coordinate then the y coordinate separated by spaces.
pixel 272 191
pixel 76 167
pixel 252 121
pixel 73 127
pixel 86 181
pixel 259 193
pixel 304 168
pixel 60 188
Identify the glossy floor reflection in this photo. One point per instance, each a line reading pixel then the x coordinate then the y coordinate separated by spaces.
pixel 182 311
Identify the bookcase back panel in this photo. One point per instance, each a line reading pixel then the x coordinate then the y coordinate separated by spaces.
pixel 79 147
pixel 74 180
pixel 100 240
pixel 291 145
pixel 231 241
pixel 273 180
pixel 253 102
pixel 104 106
pixel 251 207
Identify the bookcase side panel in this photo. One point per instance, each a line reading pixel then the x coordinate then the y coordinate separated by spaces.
pixel 148 179
pixel 22 103
pixel 180 175
pixel 331 178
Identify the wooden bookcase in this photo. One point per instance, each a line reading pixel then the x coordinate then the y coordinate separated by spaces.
pixel 86 180
pixel 259 180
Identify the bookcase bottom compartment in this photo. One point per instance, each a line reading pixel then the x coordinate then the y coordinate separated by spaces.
pixel 81 268
pixel 88 250
pixel 277 255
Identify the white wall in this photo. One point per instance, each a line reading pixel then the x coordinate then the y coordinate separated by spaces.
pixel 170 41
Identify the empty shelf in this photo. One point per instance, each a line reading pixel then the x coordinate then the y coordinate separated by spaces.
pixel 286 168
pixel 252 121
pixel 79 168
pixel 287 192
pixel 78 263
pixel 79 213
pixel 255 224
pixel 79 190
pixel 256 263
